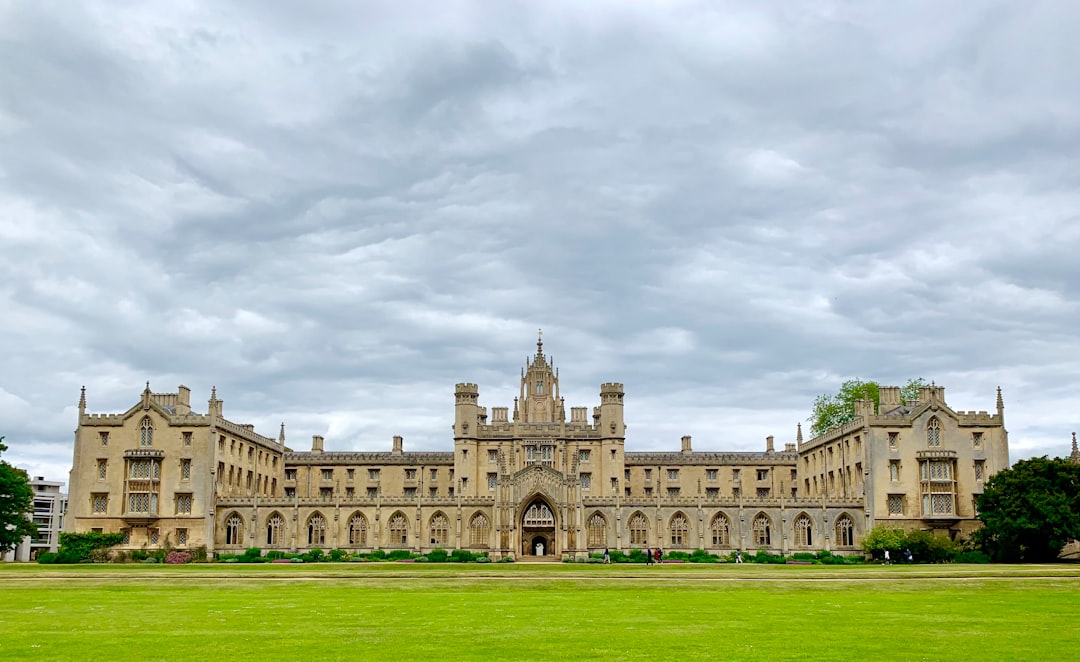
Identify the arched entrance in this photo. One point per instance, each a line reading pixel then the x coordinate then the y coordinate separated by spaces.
pixel 538 529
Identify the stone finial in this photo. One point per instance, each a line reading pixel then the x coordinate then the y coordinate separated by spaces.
pixel 1000 402
pixel 213 392
pixel 798 433
pixel 1075 450
pixel 281 435
pixel 82 401
pixel 540 342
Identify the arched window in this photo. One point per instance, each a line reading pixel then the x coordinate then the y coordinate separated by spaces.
pixel 845 531
pixel 597 530
pixel 804 531
pixel 721 530
pixel 639 529
pixel 678 527
pixel 933 433
pixel 399 530
pixel 234 529
pixel 358 530
pixel 440 530
pixel 539 514
pixel 316 530
pixel 274 528
pixel 479 530
pixel 146 432
pixel 762 530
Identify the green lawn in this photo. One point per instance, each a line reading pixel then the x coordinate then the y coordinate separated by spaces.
pixel 537 612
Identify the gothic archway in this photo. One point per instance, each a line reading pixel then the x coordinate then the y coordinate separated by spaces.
pixel 538 528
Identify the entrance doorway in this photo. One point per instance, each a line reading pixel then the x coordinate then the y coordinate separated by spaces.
pixel 538 529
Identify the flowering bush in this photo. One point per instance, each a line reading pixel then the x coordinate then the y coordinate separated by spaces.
pixel 178 558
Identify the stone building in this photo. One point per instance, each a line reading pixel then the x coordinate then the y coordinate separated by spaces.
pixel 528 480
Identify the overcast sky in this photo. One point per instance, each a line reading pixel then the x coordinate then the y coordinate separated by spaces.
pixel 335 214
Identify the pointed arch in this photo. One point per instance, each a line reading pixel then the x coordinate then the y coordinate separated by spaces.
pixel 720 528
pixel 479 530
pixel 234 529
pixel 762 529
pixel 804 531
pixel 597 530
pixel 146 432
pixel 358 527
pixel 845 530
pixel 316 529
pixel 678 530
pixel 398 528
pixel 639 529
pixel 538 513
pixel 933 432
pixel 275 529
pixel 439 526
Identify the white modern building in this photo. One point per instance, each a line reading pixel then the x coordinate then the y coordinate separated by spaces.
pixel 50 504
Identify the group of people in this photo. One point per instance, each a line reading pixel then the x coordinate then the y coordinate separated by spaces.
pixel 908 557
pixel 653 555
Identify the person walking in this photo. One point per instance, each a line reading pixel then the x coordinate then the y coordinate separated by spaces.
pixel 648 556
pixel 659 555
pixel 738 556
pixel 607 556
pixel 886 557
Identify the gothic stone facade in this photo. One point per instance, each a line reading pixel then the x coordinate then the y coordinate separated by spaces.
pixel 528 482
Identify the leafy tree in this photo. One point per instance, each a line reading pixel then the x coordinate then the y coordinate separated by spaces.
pixel 832 411
pixel 881 538
pixel 1030 511
pixel 16 501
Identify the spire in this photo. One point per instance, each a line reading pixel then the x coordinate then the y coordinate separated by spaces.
pixel 281 435
pixel 1000 402
pixel 798 433
pixel 1075 456
pixel 540 342
pixel 213 392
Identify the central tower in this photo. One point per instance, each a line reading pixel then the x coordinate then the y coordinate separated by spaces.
pixel 539 401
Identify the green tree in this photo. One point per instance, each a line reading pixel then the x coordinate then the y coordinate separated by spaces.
pixel 16 501
pixel 1030 511
pixel 881 538
pixel 832 411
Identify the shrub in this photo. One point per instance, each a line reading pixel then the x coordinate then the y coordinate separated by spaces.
pixel 482 559
pixel 77 547
pixel 275 554
pixel 804 556
pixel 139 555
pixel 120 556
pixel 377 555
pixel 971 556
pixel 505 559
pixel 338 555
pixel 253 553
pixel 48 558
pixel 461 556
pixel 677 556
pixel 399 555
pixel 438 556
pixel 567 559
pixel 200 553
pixel 314 555
pixel 177 558
pixel 150 560
pixel 421 559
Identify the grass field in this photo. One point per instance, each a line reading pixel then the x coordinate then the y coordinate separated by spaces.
pixel 538 612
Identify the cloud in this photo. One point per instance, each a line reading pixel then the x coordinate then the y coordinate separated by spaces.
pixel 335 213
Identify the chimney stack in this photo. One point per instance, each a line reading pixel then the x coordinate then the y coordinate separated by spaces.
pixel 316 443
pixel 686 448
pixel 769 444
pixel 397 444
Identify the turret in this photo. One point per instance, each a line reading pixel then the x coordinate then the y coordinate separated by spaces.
pixel 611 410
pixel 214 406
pixel 466 411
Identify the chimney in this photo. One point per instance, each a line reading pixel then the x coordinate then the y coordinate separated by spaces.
pixel 769 444
pixel 316 443
pixel 183 400
pixel 397 444
pixel 789 448
pixel 686 444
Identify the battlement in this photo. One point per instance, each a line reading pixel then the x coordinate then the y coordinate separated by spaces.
pixel 466 387
pixel 611 387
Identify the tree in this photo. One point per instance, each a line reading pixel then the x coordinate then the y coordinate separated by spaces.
pixel 1030 511
pixel 880 538
pixel 832 411
pixel 16 501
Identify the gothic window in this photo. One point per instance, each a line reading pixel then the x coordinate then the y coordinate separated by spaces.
pixel 154 536
pixel 845 531
pixel 597 531
pixel 234 529
pixel 673 474
pixel 104 438
pixel 440 530
pixel 492 480
pixel 679 527
pixel 328 474
pixel 100 503
pixel 146 432
pixel 539 514
pixel 976 439
pixel 399 530
pixel 275 526
pixel 185 469
pixel 721 530
pixel 979 469
pixel 479 530
pixel 894 470
pixel 539 387
pixel 804 531
pixel 186 437
pixel 712 474
pixel 893 438
pixel 586 481
pixel 493 457
pixel 316 530
pixel 102 468
pixel 183 504
pixel 933 433
pixel 896 504
pixel 358 530
pixel 583 455
pixel 762 529
pixel 181 537
pixel 639 529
